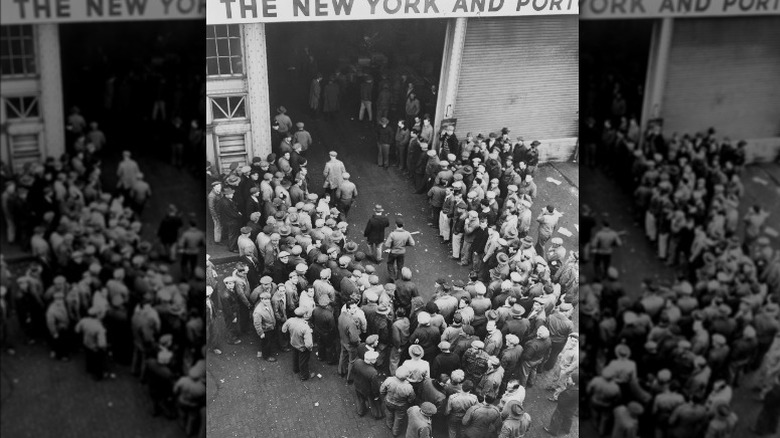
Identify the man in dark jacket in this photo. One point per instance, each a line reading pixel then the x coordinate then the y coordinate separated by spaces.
pixel 568 401
pixel 535 352
pixel 231 217
pixel 384 138
pixel 375 232
pixel 367 385
pixel 325 331
pixel 445 362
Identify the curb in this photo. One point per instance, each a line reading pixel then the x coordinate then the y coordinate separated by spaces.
pixel 572 183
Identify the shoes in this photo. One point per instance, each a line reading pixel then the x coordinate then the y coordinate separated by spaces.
pixel 217 351
pixel 552 399
pixel 311 376
pixel 271 359
pixel 286 350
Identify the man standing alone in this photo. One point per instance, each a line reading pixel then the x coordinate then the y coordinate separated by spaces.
pixel 397 241
pixel 384 137
pixel 375 232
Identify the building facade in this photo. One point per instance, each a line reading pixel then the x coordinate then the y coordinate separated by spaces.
pixel 710 67
pixel 32 113
pixel 518 71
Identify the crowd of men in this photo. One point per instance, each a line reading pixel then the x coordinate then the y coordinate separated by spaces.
pixel 665 360
pixel 96 288
pixel 463 357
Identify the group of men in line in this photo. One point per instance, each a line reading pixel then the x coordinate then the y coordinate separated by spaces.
pixel 462 353
pixel 664 358
pixel 96 287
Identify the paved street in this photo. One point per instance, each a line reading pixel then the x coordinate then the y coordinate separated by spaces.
pixel 637 258
pixel 249 397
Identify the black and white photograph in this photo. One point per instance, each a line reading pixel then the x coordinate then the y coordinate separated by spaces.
pixel 393 219
pixel 102 267
pixel 680 213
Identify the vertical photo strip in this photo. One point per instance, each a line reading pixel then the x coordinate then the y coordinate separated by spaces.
pixel 393 218
pixel 102 266
pixel 680 289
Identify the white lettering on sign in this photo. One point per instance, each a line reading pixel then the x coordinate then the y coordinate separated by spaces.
pixel 618 9
pixel 67 11
pixel 270 11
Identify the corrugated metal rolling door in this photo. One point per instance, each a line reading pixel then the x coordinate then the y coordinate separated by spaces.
pixel 232 149
pixel 724 73
pixel 522 73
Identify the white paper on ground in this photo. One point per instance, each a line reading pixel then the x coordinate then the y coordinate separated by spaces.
pixel 771 232
pixel 760 180
pixel 577 227
pixel 565 232
pixel 554 181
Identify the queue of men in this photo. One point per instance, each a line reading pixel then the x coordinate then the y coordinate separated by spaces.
pixel 95 288
pixel 664 358
pixel 462 358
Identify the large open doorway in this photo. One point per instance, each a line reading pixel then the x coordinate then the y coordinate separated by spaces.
pixel 613 67
pixel 115 73
pixel 351 50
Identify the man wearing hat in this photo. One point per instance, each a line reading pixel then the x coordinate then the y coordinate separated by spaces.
pixel 475 361
pixel 490 383
pixel 419 418
pixel 397 242
pixel 367 392
pixel 94 340
pixel 213 201
pixel 366 91
pixel 555 255
pixel 264 320
pixel 302 137
pixel 534 353
pixel 627 419
pixel 458 404
pixel 426 336
pixel 481 419
pixel 560 327
pixel 398 395
pixel 446 361
pixel 230 218
pixel 349 336
pixel 384 138
pixel 548 223
pixel 246 247
pixel 568 402
pixel 346 194
pixel 436 196
pixel 301 342
pixel 333 173
pixel 325 331
pixel 285 123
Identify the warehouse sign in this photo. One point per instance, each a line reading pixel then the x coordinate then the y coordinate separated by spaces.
pixel 273 11
pixel 85 11
pixel 618 9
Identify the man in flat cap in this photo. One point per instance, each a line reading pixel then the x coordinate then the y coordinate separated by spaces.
pixel 345 194
pixel 231 218
pixel 367 385
pixel 301 342
pixel 384 138
pixel 333 173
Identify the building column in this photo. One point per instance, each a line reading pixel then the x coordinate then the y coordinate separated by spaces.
pixel 450 72
pixel 657 65
pixel 50 101
pixel 258 100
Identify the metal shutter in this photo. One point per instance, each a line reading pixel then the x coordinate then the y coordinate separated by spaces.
pixel 25 148
pixel 724 73
pixel 521 73
pixel 232 149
